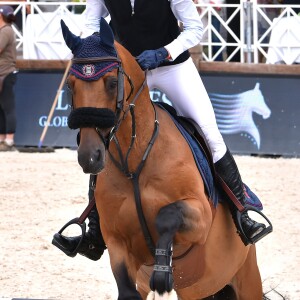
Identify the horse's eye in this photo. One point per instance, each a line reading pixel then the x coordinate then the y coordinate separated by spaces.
pixel 69 93
pixel 111 84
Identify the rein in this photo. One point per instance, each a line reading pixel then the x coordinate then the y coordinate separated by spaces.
pixel 123 166
pixel 134 176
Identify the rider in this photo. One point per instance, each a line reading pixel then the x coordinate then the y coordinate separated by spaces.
pixel 149 30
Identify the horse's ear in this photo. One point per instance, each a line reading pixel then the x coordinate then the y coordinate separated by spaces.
pixel 72 40
pixel 106 34
pixel 257 86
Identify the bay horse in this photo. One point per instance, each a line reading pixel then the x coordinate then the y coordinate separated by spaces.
pixel 157 220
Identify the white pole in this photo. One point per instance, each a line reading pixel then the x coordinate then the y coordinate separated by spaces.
pixel 249 31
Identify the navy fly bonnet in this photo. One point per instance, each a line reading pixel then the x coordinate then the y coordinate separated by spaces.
pixel 96 45
pixel 93 57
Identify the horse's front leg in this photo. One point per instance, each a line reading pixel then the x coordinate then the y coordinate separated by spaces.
pixel 192 221
pixel 123 271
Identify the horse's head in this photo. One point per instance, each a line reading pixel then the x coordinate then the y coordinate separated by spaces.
pixel 99 93
pixel 258 103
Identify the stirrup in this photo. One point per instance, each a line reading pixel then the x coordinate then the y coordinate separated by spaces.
pixel 247 240
pixel 61 247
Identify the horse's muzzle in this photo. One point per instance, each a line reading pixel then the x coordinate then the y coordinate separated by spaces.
pixel 91 155
pixel 92 163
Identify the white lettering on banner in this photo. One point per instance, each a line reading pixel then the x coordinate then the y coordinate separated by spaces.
pixel 58 121
pixel 59 102
pixel 157 96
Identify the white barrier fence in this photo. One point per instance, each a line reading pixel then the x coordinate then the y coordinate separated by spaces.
pixel 246 32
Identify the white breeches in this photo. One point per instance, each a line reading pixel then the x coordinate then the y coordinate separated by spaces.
pixel 184 88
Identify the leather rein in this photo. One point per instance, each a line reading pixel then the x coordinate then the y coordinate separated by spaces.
pixel 122 161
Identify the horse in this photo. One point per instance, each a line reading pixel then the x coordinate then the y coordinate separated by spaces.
pixel 165 237
pixel 234 112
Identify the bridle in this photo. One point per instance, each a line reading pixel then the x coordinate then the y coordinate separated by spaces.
pixel 120 88
pixel 121 73
pixel 122 163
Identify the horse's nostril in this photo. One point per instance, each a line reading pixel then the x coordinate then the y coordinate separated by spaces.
pixel 99 155
pixel 91 152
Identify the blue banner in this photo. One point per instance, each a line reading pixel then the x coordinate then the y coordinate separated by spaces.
pixel 256 114
pixel 35 93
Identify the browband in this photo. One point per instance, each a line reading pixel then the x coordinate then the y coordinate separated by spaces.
pixel 95 60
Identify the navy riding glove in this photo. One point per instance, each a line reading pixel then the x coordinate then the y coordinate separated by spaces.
pixel 151 59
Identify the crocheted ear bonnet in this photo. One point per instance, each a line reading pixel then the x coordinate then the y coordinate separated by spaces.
pixel 99 44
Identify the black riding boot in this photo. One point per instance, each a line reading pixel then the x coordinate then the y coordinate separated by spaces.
pixel 92 245
pixel 227 169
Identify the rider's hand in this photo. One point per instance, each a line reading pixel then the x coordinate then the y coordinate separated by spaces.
pixel 151 59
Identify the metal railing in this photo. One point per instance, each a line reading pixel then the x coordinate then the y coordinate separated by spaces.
pixel 37 27
pixel 247 40
pixel 280 34
pixel 251 39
